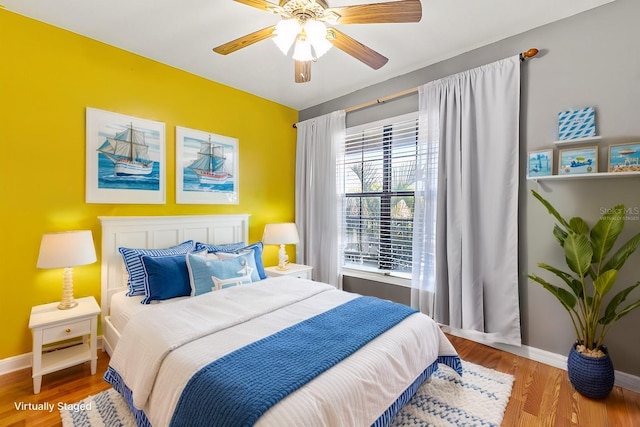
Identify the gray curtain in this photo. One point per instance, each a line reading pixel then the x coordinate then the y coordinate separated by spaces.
pixel 473 117
pixel 319 195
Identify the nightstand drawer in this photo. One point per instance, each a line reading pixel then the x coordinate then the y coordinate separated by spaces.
pixel 68 330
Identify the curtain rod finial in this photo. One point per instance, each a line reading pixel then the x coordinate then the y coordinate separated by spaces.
pixel 529 53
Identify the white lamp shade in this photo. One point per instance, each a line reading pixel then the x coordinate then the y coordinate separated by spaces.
pixel 285 34
pixel 302 50
pixel 66 249
pixel 317 35
pixel 284 233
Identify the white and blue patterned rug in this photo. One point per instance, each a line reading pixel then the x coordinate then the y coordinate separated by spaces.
pixel 478 398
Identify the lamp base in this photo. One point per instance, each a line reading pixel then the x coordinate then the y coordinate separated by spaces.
pixel 283 259
pixel 67 301
pixel 66 305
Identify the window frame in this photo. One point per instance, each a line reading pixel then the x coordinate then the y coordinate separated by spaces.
pixel 386 196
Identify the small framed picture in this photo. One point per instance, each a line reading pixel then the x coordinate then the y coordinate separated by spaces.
pixel 540 163
pixel 624 157
pixel 578 160
pixel 206 168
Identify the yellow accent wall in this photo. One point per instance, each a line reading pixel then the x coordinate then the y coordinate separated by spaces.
pixel 48 76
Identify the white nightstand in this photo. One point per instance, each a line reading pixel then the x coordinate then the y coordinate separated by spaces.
pixel 294 270
pixel 50 325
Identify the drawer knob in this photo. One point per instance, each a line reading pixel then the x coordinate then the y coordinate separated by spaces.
pixel 67 330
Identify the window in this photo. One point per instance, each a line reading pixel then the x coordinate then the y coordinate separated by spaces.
pixel 379 184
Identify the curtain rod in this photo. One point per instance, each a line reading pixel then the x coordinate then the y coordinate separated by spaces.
pixel 523 56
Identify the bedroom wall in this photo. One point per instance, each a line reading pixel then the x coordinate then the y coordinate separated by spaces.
pixel 48 76
pixel 586 60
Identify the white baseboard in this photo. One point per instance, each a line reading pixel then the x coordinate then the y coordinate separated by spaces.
pixel 15 363
pixel 624 380
pixel 23 361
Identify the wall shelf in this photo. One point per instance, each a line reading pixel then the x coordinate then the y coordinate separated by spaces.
pixel 566 142
pixel 585 176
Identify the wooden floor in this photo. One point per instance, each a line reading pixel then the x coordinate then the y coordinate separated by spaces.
pixel 541 396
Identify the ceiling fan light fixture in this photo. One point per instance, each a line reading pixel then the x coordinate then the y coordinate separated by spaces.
pixel 302 50
pixel 316 33
pixel 285 34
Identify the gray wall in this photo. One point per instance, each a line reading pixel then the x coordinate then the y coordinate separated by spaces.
pixel 591 59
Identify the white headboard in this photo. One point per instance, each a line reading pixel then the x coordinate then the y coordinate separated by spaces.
pixel 160 232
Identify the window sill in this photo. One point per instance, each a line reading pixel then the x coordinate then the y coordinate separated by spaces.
pixel 377 277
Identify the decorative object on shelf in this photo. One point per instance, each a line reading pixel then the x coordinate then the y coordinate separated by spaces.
pixel 540 163
pixel 588 283
pixel 578 160
pixel 66 249
pixel 624 157
pixel 281 234
pixel 125 159
pixel 577 141
pixel 206 168
pixel 573 124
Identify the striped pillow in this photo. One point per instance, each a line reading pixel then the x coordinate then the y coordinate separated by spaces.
pixel 133 261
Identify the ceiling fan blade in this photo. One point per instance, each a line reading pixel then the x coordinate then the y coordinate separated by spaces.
pixel 356 49
pixel 248 40
pixel 260 4
pixel 303 71
pixel 380 13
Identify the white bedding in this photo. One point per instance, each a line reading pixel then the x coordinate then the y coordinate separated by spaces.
pixel 190 335
pixel 123 308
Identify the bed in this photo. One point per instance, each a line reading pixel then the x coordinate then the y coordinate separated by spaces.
pixel 278 352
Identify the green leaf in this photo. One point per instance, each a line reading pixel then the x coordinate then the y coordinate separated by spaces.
pixel 619 298
pixel 605 281
pixel 551 209
pixel 574 284
pixel 605 233
pixel 560 234
pixel 618 259
pixel 626 310
pixel 567 300
pixel 578 225
pixel 578 253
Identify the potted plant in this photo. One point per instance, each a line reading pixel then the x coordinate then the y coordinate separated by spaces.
pixel 590 279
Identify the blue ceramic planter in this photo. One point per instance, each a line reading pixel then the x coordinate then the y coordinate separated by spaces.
pixel 590 376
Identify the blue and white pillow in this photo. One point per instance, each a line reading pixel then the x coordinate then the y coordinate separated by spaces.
pixel 226 247
pixel 248 257
pixel 236 248
pixel 133 262
pixel 207 274
pixel 165 277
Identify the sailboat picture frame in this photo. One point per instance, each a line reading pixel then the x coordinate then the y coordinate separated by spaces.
pixel 125 159
pixel 207 168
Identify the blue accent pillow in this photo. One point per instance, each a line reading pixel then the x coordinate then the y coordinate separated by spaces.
pixel 235 248
pixel 205 274
pixel 165 277
pixel 249 259
pixel 133 262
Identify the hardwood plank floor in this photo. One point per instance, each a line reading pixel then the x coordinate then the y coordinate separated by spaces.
pixel 541 396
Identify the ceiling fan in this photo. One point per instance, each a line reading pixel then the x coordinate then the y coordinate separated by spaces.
pixel 303 26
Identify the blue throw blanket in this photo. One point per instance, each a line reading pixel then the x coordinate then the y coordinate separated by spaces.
pixel 238 388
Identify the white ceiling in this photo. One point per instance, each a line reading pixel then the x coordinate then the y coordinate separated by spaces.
pixel 182 34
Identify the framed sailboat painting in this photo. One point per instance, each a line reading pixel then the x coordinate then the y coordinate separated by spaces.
pixel 125 159
pixel 206 168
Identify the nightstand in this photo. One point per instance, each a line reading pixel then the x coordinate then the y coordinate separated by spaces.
pixel 50 325
pixel 294 270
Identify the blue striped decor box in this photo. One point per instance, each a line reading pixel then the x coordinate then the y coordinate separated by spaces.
pixel 574 124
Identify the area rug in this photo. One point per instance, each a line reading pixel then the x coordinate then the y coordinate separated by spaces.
pixel 478 398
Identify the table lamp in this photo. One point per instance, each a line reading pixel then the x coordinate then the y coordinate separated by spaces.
pixel 66 250
pixel 281 234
